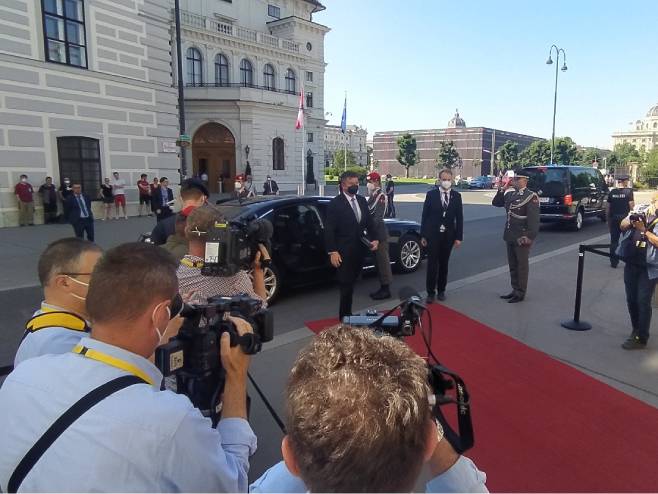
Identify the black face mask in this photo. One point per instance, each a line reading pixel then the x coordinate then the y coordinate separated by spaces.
pixel 353 189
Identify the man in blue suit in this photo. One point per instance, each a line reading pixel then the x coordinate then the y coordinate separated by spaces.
pixel 80 215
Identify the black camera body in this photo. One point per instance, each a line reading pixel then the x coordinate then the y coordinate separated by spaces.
pixel 638 217
pixel 193 356
pixel 232 245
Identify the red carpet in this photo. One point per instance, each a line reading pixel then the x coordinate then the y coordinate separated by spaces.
pixel 540 425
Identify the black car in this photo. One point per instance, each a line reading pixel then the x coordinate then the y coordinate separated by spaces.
pixel 568 194
pixel 299 256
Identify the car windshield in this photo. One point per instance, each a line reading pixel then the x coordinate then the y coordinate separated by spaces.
pixel 231 212
pixel 550 181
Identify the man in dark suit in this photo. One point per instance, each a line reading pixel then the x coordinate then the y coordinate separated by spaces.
pixel 441 229
pixel 347 219
pixel 162 200
pixel 79 213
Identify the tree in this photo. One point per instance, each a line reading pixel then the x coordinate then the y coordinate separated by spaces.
pixel 407 152
pixel 339 159
pixel 507 156
pixel 651 166
pixel 537 153
pixel 566 152
pixel 369 157
pixel 623 153
pixel 448 156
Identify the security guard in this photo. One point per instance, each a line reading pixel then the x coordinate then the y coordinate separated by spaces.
pixel 521 229
pixel 378 204
pixel 64 271
pixel 620 203
pixel 94 419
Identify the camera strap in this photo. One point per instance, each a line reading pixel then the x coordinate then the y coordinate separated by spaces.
pixel 464 440
pixel 113 362
pixel 65 420
pixel 56 319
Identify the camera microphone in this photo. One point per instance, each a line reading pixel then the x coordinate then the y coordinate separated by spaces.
pixel 411 297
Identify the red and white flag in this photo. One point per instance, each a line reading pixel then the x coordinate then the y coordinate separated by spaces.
pixel 300 114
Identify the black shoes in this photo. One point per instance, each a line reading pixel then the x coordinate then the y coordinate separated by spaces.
pixel 430 299
pixel 634 343
pixel 515 300
pixel 441 296
pixel 508 296
pixel 381 294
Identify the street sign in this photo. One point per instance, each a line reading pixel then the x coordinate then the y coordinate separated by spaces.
pixel 185 138
pixel 169 147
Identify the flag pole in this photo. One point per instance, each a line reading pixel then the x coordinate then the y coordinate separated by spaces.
pixel 302 188
pixel 345 134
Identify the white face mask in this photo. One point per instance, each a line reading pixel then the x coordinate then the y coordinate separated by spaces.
pixel 238 185
pixel 446 184
pixel 371 187
pixel 83 299
pixel 23 180
pixel 162 334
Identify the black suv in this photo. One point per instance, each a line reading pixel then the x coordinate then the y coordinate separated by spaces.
pixel 568 194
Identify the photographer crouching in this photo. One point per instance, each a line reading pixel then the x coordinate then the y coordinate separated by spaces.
pixel 359 419
pixel 638 250
pixel 95 419
pixel 199 223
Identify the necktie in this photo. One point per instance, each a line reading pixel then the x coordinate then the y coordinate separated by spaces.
pixel 445 200
pixel 356 209
pixel 83 207
pixel 164 198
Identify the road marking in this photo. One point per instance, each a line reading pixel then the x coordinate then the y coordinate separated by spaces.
pixel 304 332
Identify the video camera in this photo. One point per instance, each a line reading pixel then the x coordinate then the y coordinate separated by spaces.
pixel 193 356
pixel 232 245
pixel 448 388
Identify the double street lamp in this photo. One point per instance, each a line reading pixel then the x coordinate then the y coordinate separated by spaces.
pixel 558 51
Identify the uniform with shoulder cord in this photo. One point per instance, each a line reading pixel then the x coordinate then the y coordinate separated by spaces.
pixel 378 205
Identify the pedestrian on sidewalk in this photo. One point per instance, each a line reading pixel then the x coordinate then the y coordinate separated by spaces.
pixel 107 197
pixel 144 194
pixel 48 193
pixel 390 195
pixel 25 197
pixel 640 273
pixel 441 229
pixel 521 229
pixel 377 204
pixel 119 191
pixel 81 216
pixel 163 199
pixel 620 203
pixel 270 188
pixel 65 191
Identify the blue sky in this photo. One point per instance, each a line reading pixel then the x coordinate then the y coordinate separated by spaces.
pixel 409 63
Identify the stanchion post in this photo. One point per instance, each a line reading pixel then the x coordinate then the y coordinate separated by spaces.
pixel 576 324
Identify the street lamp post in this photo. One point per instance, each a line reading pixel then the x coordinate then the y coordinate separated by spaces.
pixel 564 69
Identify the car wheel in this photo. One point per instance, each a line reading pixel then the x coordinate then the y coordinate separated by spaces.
pixel 410 254
pixel 577 223
pixel 272 283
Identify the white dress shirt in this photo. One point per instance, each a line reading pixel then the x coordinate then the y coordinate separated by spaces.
pixel 53 340
pixel 139 439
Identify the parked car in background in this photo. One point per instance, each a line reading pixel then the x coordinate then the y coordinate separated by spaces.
pixel 569 194
pixel 482 182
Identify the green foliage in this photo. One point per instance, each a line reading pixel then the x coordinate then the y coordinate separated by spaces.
pixel 651 165
pixel 537 153
pixel 623 154
pixel 587 156
pixel 407 152
pixel 339 159
pixel 507 156
pixel 335 171
pixel 566 151
pixel 448 156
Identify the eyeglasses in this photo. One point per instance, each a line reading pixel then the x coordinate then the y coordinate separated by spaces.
pixel 76 274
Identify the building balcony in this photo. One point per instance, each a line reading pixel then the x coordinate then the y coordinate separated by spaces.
pixel 233 31
pixel 241 92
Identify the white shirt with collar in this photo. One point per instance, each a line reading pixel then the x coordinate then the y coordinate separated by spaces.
pixel 52 340
pixel 139 439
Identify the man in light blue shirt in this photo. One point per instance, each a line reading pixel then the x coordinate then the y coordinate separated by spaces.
pixel 64 272
pixel 359 420
pixel 137 439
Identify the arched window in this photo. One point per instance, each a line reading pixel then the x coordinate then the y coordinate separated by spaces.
pixel 268 77
pixel 194 67
pixel 278 154
pixel 246 73
pixel 655 125
pixel 221 70
pixel 290 81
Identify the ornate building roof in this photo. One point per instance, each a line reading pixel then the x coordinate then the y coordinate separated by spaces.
pixel 653 111
pixel 456 121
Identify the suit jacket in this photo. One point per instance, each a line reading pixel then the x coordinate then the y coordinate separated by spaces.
pixel 342 232
pixel 433 215
pixel 156 199
pixel 73 208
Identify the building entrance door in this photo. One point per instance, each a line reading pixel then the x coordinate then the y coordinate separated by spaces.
pixel 213 153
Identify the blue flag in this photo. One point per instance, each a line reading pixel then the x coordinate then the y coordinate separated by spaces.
pixel 343 121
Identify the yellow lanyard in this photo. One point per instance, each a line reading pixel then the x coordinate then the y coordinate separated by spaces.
pixel 191 264
pixel 113 361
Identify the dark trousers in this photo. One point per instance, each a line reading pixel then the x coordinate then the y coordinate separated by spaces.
pixel 615 232
pixel 390 207
pixel 438 255
pixel 639 292
pixel 164 214
pixel 84 225
pixel 50 212
pixel 346 294
pixel 517 258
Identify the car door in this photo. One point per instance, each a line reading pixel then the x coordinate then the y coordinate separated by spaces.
pixel 580 187
pixel 595 191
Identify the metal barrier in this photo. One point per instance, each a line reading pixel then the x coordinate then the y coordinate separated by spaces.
pixel 576 324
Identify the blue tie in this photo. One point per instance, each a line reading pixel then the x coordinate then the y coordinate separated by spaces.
pixel 83 207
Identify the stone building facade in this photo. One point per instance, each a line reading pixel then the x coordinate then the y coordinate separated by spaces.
pixel 357 143
pixel 85 90
pixel 643 133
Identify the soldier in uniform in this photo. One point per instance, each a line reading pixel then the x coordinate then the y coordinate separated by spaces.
pixel 377 204
pixel 620 203
pixel 521 228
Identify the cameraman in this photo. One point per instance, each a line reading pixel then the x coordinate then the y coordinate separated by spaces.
pixel 135 437
pixel 639 276
pixel 359 420
pixel 64 272
pixel 199 223
pixel 193 193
